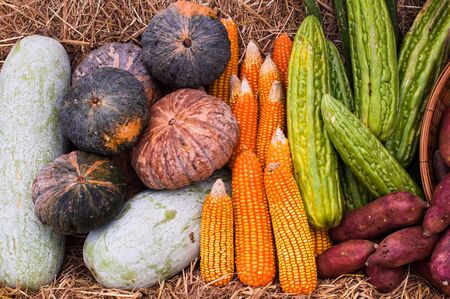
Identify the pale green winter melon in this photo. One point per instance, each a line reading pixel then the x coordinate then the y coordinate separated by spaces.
pixel 155 237
pixel 33 80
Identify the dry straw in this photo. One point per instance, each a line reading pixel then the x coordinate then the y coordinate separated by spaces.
pixel 82 25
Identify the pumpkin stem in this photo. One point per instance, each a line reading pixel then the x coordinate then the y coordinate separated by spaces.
pixel 187 42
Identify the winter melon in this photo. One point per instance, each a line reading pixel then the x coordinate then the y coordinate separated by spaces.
pixel 154 238
pixel 34 78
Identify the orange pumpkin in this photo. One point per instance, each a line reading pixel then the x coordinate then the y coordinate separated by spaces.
pixel 190 134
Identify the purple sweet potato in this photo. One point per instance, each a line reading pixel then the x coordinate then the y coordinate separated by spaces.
pixel 444 137
pixel 385 279
pixel 440 260
pixel 344 258
pixel 437 217
pixel 440 168
pixel 403 247
pixel 423 268
pixel 381 216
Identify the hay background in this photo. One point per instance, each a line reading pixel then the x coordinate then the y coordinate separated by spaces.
pixel 82 25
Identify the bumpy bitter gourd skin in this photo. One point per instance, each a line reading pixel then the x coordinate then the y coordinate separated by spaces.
pixel 418 66
pixel 374 65
pixel 355 195
pixel 314 158
pixel 363 153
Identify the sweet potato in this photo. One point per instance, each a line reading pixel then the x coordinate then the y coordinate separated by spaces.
pixel 344 258
pixel 403 247
pixel 385 279
pixel 383 215
pixel 437 217
pixel 440 260
pixel 440 168
pixel 444 137
pixel 423 268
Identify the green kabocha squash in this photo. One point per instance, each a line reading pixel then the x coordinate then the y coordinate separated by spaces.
pixel 104 112
pixel 78 192
pixel 185 45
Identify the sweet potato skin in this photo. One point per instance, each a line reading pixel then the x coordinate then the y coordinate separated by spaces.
pixel 440 260
pixel 440 168
pixel 437 217
pixel 444 137
pixel 423 268
pixel 344 258
pixel 393 211
pixel 403 247
pixel 385 279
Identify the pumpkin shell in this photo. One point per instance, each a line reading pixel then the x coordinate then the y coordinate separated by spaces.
pixel 185 45
pixel 78 192
pixel 125 56
pixel 190 135
pixel 104 112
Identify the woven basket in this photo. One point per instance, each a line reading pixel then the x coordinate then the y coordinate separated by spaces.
pixel 438 101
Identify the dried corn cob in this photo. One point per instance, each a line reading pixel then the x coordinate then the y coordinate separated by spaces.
pixel 235 89
pixel 296 260
pixel 251 65
pixel 321 239
pixel 246 111
pixel 272 117
pixel 216 237
pixel 255 256
pixel 267 75
pixel 281 53
pixel 278 151
pixel 221 86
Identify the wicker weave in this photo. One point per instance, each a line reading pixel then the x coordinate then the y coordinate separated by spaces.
pixel 438 101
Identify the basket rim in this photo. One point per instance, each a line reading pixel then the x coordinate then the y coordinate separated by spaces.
pixel 425 163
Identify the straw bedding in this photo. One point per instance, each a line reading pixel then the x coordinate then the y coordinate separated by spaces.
pixel 82 25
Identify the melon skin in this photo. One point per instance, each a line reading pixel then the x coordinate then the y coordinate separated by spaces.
pixel 156 235
pixel 34 78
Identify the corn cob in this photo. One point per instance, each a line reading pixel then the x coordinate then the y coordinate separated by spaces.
pixel 281 53
pixel 255 256
pixel 216 237
pixel 296 261
pixel 221 87
pixel 267 75
pixel 272 117
pixel 279 152
pixel 235 89
pixel 251 65
pixel 246 112
pixel 321 240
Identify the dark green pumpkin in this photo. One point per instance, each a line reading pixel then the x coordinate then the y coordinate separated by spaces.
pixel 185 45
pixel 78 192
pixel 105 111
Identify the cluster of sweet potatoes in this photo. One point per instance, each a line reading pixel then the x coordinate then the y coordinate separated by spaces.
pixel 385 236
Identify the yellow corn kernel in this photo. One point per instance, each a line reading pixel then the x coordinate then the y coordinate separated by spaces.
pixel 216 237
pixel 255 253
pixel 235 89
pixel 221 86
pixel 296 260
pixel 279 152
pixel 281 54
pixel 272 117
pixel 267 75
pixel 245 109
pixel 251 65
pixel 322 240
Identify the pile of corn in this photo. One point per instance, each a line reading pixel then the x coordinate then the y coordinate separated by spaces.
pixel 265 216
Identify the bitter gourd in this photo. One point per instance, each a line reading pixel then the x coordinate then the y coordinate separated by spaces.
pixel 374 65
pixel 314 158
pixel 363 153
pixel 355 195
pixel 418 65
